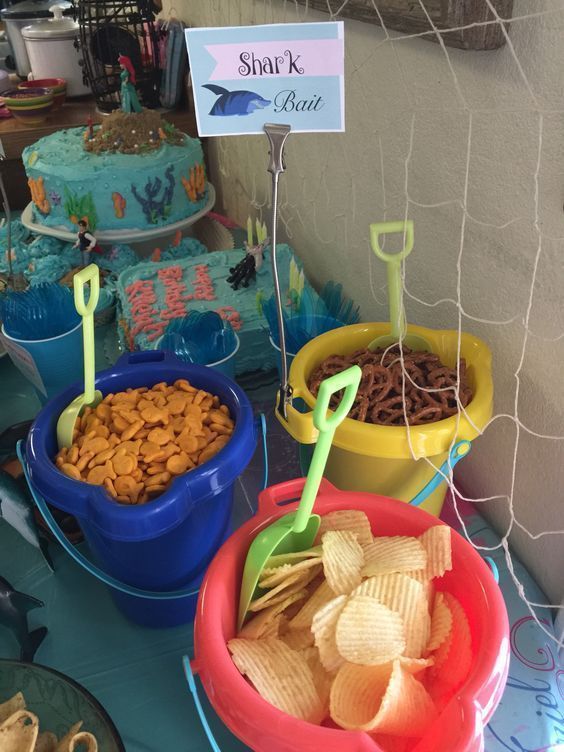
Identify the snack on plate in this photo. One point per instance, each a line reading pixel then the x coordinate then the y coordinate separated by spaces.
pixel 19 732
pixel 136 442
pixel 425 394
pixel 357 618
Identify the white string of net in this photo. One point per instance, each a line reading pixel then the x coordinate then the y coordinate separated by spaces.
pixel 305 210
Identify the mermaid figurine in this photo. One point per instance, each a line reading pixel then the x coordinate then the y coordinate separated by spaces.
pixel 129 100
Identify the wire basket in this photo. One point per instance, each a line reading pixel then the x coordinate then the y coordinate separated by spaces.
pixel 111 29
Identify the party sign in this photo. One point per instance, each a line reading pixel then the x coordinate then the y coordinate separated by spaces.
pixel 246 76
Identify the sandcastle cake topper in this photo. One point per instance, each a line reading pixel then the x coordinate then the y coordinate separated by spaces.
pixel 246 269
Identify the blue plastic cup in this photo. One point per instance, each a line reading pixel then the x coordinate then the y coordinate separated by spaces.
pixel 226 366
pixel 49 364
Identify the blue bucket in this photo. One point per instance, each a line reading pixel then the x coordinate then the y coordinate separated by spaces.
pixel 166 544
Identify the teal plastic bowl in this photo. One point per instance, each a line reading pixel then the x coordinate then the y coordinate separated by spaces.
pixel 58 702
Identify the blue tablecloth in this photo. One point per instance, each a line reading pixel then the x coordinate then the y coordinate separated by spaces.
pixel 137 673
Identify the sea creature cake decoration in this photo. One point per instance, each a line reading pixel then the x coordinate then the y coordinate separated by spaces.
pixel 246 269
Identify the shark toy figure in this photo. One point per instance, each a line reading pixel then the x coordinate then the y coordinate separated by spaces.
pixel 14 607
pixel 16 509
pixel 235 102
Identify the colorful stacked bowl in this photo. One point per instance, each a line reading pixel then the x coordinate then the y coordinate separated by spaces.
pixel 29 105
pixel 58 85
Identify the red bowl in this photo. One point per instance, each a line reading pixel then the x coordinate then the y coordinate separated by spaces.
pixel 57 85
pixel 264 728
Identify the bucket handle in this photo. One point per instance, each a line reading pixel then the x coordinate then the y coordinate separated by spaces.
pixel 189 673
pixel 458 451
pixel 290 490
pixel 107 579
pixel 104 577
pixel 146 356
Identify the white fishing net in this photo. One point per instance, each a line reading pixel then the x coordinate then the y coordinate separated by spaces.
pixel 470 145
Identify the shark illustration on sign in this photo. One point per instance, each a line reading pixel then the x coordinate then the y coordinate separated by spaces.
pixel 235 102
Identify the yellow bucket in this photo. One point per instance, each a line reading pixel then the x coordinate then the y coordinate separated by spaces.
pixel 381 459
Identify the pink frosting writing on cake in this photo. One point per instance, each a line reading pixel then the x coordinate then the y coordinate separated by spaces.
pixel 228 313
pixel 142 299
pixel 202 283
pixel 175 293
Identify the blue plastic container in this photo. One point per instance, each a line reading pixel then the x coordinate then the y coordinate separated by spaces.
pixel 49 364
pixel 226 366
pixel 166 544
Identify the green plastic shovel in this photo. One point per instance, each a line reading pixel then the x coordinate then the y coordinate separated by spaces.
pixel 91 396
pixel 296 531
pixel 398 324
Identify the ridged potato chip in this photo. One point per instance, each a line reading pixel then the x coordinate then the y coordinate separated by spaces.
pixel 292 584
pixel 384 698
pixel 453 658
pixel 280 597
pixel 343 559
pixel 420 576
pixel 322 595
pixel 353 520
pixel 298 639
pixel 280 675
pixel 18 733
pixel 11 706
pixel 323 627
pixel 321 678
pixel 279 559
pixel 396 553
pixel 357 693
pixel 405 596
pixel 441 623
pixel 415 665
pixel 270 577
pixel 260 625
pixel 369 633
pixel 437 543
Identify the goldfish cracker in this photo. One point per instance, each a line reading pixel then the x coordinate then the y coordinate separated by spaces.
pixel 125 484
pixel 71 470
pixel 109 486
pixel 124 464
pixel 135 442
pixel 84 460
pixel 130 432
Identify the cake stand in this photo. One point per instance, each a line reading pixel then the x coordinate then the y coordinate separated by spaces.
pixel 106 237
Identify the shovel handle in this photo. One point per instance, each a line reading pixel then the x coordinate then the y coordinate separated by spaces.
pixel 393 268
pixel 89 275
pixel 390 228
pixel 326 425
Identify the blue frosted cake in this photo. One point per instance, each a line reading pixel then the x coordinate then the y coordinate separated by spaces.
pixel 151 294
pixel 133 172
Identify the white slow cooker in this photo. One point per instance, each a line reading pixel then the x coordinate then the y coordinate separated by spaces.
pixel 52 53
pixel 15 17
